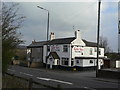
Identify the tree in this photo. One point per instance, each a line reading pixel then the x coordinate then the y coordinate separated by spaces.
pixel 104 43
pixel 11 22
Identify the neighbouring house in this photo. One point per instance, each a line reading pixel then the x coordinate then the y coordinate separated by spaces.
pixel 115 63
pixel 112 60
pixel 111 63
pixel 66 52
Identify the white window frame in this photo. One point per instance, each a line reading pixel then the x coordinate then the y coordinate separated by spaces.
pixel 65 48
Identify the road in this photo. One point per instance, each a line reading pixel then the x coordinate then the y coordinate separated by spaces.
pixel 66 79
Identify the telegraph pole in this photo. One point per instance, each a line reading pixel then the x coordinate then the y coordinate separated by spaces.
pixel 98 33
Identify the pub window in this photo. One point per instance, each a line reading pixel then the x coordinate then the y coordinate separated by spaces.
pixel 91 53
pixel 95 49
pixel 48 48
pixel 99 52
pixel 77 61
pixel 65 48
pixel 65 61
pixel 71 63
pixel 82 53
pixel 91 61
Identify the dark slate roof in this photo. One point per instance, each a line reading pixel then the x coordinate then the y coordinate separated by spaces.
pixel 54 55
pixel 60 41
pixel 37 44
pixel 88 58
pixel 92 44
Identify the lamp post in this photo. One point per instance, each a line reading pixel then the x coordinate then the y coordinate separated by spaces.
pixel 98 34
pixel 47 32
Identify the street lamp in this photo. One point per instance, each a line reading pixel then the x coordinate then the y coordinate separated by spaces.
pixel 47 32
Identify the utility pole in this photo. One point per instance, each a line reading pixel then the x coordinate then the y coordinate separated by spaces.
pixel 118 37
pixel 98 33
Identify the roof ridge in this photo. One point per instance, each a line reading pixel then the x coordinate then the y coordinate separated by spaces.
pixel 64 38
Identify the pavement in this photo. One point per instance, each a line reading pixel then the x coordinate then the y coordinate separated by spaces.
pixel 65 79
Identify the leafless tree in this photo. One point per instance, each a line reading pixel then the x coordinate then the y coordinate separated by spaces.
pixel 104 43
pixel 11 21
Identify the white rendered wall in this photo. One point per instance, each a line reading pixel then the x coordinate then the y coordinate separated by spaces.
pixel 59 50
pixel 44 54
pixel 119 42
pixel 78 50
pixel 117 64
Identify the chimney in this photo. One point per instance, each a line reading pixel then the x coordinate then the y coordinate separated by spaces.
pixel 33 41
pixel 77 34
pixel 52 36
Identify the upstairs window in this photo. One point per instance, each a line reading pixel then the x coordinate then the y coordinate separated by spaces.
pixel 65 48
pixel 95 49
pixel 48 48
pixel 99 52
pixel 91 52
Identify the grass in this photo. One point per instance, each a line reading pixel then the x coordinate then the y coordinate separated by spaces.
pixel 13 82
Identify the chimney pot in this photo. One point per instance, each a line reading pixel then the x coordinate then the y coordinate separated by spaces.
pixel 52 36
pixel 77 34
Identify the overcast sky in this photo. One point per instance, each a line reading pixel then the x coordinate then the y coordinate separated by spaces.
pixel 65 15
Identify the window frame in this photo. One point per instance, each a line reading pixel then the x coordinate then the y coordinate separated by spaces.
pixel 91 61
pixel 65 48
pixel 64 60
pixel 91 51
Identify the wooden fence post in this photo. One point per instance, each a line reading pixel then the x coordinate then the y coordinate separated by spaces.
pixel 30 84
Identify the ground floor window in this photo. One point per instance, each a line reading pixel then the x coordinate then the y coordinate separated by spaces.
pixel 71 63
pixel 65 61
pixel 77 61
pixel 91 61
pixel 57 62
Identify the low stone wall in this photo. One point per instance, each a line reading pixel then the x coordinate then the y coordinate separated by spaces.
pixel 112 74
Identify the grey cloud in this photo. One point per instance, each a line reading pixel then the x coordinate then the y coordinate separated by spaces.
pixel 63 16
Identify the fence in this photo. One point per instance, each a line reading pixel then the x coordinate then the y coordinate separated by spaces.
pixel 31 82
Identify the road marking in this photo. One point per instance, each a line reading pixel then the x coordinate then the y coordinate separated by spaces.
pixel 89 88
pixel 48 79
pixel 26 74
pixel 11 70
pixel 61 81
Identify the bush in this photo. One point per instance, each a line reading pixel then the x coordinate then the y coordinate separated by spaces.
pixel 16 82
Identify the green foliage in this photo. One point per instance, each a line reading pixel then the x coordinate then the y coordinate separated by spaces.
pixel 11 22
pixel 113 56
pixel 21 54
pixel 16 82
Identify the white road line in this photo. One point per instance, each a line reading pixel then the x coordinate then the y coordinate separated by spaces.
pixel 61 81
pixel 48 79
pixel 25 73
pixel 89 88
pixel 11 70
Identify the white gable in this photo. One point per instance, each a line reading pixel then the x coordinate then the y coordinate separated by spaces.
pixel 78 41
